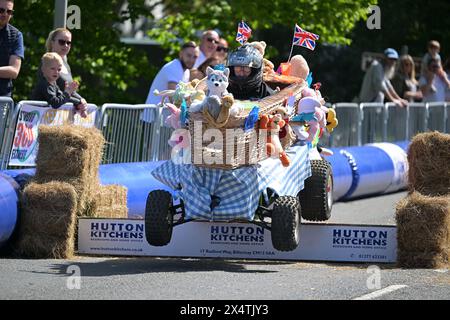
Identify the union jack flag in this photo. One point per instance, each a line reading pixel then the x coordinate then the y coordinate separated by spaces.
pixel 244 32
pixel 304 38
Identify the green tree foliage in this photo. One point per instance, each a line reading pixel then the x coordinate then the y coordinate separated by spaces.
pixel 105 67
pixel 331 19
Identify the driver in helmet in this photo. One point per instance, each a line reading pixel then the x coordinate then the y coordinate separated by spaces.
pixel 246 74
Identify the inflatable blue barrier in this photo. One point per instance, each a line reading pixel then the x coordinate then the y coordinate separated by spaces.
pixel 9 207
pixel 136 177
pixel 357 171
pixel 369 170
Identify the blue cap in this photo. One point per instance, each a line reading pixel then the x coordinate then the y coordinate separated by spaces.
pixel 391 53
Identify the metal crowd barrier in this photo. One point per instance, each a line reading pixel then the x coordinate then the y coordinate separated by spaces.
pixel 7 142
pixel 129 132
pixel 348 131
pixel 6 117
pixel 378 122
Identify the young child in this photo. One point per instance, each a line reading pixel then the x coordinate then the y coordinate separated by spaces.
pixel 47 89
pixel 434 48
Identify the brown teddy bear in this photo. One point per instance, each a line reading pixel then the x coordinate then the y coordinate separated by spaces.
pixel 273 124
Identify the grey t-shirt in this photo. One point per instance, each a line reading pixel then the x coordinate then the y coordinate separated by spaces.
pixel 374 84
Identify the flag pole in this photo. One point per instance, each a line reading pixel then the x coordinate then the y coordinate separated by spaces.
pixel 290 54
pixel 292 47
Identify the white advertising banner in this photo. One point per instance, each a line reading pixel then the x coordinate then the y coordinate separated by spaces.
pixel 318 242
pixel 25 145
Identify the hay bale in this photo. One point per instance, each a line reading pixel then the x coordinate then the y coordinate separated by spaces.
pixel 423 231
pixel 429 169
pixel 112 212
pixel 48 221
pixel 71 154
pixel 110 201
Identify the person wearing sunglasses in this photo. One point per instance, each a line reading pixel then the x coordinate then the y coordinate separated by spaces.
pixel 60 42
pixel 222 50
pixel 435 83
pixel 208 46
pixel 404 81
pixel 11 49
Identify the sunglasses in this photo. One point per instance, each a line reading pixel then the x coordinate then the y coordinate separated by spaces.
pixel 212 40
pixel 63 42
pixel 222 49
pixel 8 11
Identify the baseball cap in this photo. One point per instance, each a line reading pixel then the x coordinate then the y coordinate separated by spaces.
pixel 391 53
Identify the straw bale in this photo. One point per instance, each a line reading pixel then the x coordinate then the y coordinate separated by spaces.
pixel 109 201
pixel 48 221
pixel 423 231
pixel 429 164
pixel 112 212
pixel 69 152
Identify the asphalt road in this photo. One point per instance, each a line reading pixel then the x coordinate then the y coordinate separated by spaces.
pixel 206 279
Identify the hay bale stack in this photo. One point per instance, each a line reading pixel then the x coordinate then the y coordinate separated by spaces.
pixel 110 202
pixel 48 221
pixel 429 164
pixel 423 231
pixel 71 154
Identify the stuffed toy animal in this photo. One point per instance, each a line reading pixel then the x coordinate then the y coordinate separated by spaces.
pixel 218 104
pixel 331 120
pixel 180 141
pixel 174 119
pixel 268 66
pixel 186 91
pixel 287 135
pixel 310 112
pixel 273 147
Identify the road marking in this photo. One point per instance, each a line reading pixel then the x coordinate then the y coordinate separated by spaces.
pixel 379 293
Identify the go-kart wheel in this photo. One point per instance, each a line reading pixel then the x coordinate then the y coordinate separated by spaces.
pixel 286 223
pixel 316 198
pixel 158 218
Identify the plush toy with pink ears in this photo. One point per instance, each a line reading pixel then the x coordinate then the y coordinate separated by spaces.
pixel 174 119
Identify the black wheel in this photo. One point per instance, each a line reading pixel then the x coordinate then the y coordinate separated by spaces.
pixel 158 218
pixel 316 198
pixel 286 223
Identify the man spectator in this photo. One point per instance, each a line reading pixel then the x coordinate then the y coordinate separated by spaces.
pixel 208 46
pixel 11 49
pixel 174 71
pixel 222 50
pixel 433 84
pixel 376 85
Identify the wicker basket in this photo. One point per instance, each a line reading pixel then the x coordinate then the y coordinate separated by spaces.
pixel 231 147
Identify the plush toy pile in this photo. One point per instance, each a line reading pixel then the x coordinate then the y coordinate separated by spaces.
pixel 297 113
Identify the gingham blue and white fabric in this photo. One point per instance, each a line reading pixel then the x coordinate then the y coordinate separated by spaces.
pixel 239 190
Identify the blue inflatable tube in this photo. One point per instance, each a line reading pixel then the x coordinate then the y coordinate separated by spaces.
pixel 136 177
pixel 9 207
pixel 369 170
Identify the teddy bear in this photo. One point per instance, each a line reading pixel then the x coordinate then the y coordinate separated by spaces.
pixel 287 135
pixel 268 66
pixel 218 105
pixel 273 123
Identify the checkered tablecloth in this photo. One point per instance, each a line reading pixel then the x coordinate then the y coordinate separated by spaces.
pixel 238 190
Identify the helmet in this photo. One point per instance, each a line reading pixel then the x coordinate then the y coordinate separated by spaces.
pixel 245 56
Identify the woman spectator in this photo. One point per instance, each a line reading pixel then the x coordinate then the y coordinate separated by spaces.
pixel 200 72
pixel 405 82
pixel 60 42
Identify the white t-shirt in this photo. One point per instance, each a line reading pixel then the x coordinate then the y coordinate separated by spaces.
pixel 170 72
pixel 441 88
pixel 201 58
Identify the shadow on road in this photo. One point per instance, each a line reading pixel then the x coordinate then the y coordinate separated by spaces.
pixel 129 266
